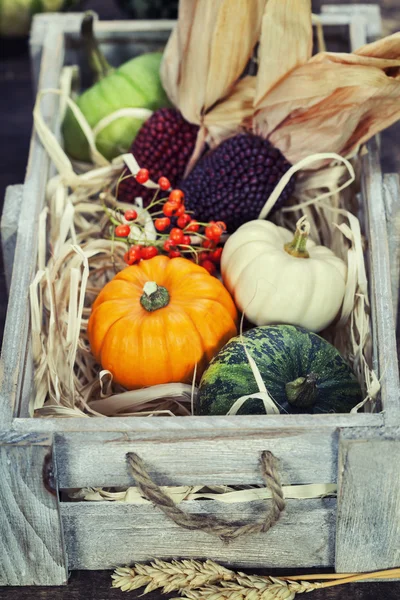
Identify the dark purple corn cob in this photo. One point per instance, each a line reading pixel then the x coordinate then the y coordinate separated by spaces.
pixel 233 182
pixel 163 145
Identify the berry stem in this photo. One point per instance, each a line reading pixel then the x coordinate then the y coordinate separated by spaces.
pixel 297 247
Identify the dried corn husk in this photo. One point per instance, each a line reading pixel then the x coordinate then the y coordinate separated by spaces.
pixel 330 102
pixel 203 59
pixel 285 42
pixel 205 56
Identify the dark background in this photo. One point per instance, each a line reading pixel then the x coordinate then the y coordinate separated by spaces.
pixel 16 102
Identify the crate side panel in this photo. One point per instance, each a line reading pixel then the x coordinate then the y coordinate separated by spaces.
pixel 391 184
pixel 16 329
pixel 193 427
pixel 31 542
pixel 368 517
pixel 103 535
pixel 9 227
pixel 221 458
pixel 381 285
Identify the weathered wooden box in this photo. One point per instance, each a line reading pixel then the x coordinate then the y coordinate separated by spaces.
pixel 42 537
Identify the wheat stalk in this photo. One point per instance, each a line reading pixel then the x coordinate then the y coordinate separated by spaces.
pixel 251 588
pixel 206 581
pixel 170 576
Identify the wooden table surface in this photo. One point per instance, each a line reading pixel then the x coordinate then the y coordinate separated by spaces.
pixel 15 112
pixel 96 585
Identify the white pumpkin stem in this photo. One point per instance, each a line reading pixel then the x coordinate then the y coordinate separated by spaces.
pixel 298 246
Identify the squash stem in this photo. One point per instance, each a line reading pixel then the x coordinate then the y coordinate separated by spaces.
pixel 154 296
pixel 297 247
pixel 302 392
pixel 98 63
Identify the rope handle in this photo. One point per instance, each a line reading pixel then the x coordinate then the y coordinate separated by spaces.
pixel 207 523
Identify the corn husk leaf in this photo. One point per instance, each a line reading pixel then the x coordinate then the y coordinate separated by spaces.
pixel 231 113
pixel 334 101
pixel 208 52
pixel 285 42
pixel 175 50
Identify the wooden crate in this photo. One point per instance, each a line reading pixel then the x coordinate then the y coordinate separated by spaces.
pixel 42 537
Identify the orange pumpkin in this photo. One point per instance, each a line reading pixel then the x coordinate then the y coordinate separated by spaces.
pixel 156 320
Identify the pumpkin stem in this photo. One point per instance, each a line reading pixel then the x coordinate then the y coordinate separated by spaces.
pixel 297 247
pixel 302 392
pixel 154 296
pixel 97 60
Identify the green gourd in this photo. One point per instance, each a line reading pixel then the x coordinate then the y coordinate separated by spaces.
pixel 135 84
pixel 16 15
pixel 302 372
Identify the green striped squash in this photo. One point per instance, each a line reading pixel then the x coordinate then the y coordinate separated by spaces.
pixel 135 84
pixel 302 372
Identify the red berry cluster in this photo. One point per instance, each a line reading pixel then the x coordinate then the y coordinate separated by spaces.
pixel 179 239
pixel 178 226
pixel 211 257
pixel 137 253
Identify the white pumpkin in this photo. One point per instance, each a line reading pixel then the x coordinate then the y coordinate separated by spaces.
pixel 277 278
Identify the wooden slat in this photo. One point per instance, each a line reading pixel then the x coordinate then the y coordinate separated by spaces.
pixel 368 519
pixel 193 426
pixel 71 22
pixel 380 285
pixel 9 228
pixel 370 14
pixel 391 187
pixel 103 535
pixel 17 323
pixel 41 24
pixel 99 460
pixel 31 548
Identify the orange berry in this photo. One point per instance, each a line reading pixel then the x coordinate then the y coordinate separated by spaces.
pixel 130 215
pixel 162 224
pixel 174 254
pixel 176 196
pixel 164 183
pixel 149 252
pixel 142 176
pixel 209 266
pixel 176 235
pixel 169 209
pixel 216 255
pixel 193 226
pixel 122 231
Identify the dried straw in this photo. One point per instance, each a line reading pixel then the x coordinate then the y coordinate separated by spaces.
pixel 68 381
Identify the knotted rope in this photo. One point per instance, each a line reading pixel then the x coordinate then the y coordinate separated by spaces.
pixel 207 523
